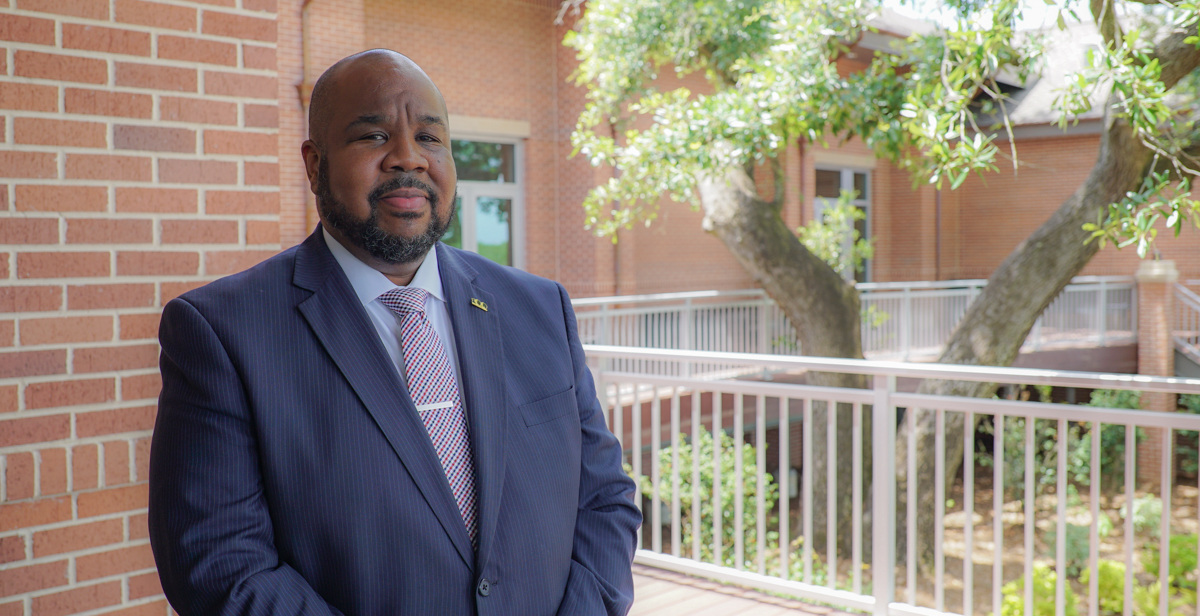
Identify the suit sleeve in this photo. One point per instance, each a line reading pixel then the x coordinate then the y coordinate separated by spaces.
pixel 601 580
pixel 210 529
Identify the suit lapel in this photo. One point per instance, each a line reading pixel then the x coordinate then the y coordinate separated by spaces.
pixel 481 361
pixel 344 329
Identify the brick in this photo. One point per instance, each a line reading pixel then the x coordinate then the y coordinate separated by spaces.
pixel 85 467
pixel 106 40
pixel 240 143
pixel 138 526
pixel 8 399
pixel 116 463
pixel 157 200
pixel 197 50
pixel 234 84
pixel 254 56
pixel 4 258
pixel 12 548
pixel 13 608
pixel 70 393
pixel 105 103
pixel 241 202
pixel 171 78
pixel 199 111
pixel 30 363
pixel 109 296
pixel 59 67
pixel 78 600
pixel 109 231
pixel 230 262
pixel 28 164
pixel 30 299
pixel 77 537
pixel 199 232
pixel 27 430
pixel 33 577
pixel 154 608
pixel 113 562
pixel 259 5
pixel 171 290
pixel 156 15
pixel 106 359
pixel 46 131
pixel 51 198
pixel 21 29
pixel 265 116
pixel 112 500
pixel 139 326
pixel 29 231
pixel 8 333
pixel 238 26
pixel 28 97
pixel 116 421
pixel 90 9
pixel 141 387
pixel 154 138
pixel 141 458
pixel 65 330
pixel 262 174
pixel 53 471
pixel 145 585
pixel 62 264
pixel 19 475
pixel 108 167
pixel 262 232
pixel 158 263
pixel 191 171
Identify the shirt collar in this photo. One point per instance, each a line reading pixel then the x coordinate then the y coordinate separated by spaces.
pixel 369 283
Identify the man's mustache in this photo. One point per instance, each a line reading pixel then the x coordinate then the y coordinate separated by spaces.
pixel 403 181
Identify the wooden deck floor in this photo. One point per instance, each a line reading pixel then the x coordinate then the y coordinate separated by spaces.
pixel 666 593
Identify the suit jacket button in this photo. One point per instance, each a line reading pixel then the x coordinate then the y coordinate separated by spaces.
pixel 485 587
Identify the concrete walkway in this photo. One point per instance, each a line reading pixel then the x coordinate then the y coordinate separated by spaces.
pixel 666 593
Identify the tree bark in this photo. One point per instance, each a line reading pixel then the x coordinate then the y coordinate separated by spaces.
pixel 822 306
pixel 996 324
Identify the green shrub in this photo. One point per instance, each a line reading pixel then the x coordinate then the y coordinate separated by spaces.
pixel 1145 601
pixel 1078 547
pixel 1147 514
pixel 1182 557
pixel 1043 595
pixel 1190 459
pixel 1111 585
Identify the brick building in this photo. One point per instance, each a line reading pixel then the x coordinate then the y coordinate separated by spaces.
pixel 147 147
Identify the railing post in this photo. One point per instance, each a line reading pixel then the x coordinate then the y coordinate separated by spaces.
pixel 883 497
pixel 764 345
pixel 685 335
pixel 1103 310
pixel 906 322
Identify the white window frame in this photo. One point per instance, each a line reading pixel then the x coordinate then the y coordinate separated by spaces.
pixel 468 191
pixel 846 182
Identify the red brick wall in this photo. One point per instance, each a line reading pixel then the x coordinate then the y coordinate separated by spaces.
pixel 137 160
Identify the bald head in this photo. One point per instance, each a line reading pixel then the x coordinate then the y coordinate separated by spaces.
pixel 328 88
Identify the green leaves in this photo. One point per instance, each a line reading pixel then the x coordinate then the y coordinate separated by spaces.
pixel 1133 221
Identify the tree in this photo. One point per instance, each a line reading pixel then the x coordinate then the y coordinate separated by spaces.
pixel 771 70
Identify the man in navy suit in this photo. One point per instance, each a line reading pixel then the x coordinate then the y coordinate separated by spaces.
pixel 291 471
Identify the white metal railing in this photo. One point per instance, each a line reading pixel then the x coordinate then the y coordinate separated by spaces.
pixel 901 320
pixel 1186 330
pixel 687 408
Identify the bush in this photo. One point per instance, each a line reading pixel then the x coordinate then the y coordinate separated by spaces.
pixel 1145 601
pixel 1111 585
pixel 1189 458
pixel 1147 514
pixel 1043 595
pixel 1078 547
pixel 1182 558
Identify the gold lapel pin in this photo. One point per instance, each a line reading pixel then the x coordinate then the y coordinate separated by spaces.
pixel 479 304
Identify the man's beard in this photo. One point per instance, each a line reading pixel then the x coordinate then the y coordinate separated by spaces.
pixel 367 234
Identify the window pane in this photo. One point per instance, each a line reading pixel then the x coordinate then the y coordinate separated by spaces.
pixel 453 236
pixel 478 161
pixel 493 229
pixel 829 184
pixel 860 186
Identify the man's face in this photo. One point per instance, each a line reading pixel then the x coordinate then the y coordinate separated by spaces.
pixel 385 179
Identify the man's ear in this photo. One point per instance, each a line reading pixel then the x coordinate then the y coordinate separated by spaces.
pixel 312 162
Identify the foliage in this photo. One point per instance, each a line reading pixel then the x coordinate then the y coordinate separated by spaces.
pixel 1190 458
pixel 1110 584
pixel 1078 547
pixel 1145 601
pixel 1147 514
pixel 1044 579
pixel 834 240
pixel 1181 559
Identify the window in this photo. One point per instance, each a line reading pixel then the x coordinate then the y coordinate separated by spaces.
pixel 488 207
pixel 829 186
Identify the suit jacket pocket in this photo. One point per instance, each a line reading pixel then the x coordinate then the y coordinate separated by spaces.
pixel 549 408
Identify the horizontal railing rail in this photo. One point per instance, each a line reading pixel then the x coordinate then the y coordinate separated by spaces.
pixel 718 506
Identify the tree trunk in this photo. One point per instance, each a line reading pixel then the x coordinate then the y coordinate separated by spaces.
pixel 822 306
pixel 996 324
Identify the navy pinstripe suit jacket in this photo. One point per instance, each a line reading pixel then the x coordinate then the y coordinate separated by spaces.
pixel 291 474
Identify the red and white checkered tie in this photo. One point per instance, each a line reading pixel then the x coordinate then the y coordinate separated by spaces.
pixel 434 390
